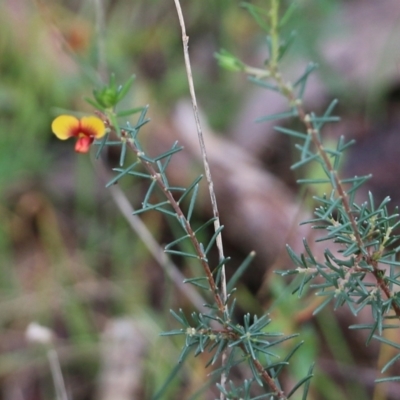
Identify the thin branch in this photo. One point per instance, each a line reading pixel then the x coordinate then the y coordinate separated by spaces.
pixel 185 41
pixel 56 373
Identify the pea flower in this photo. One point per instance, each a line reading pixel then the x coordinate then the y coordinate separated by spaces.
pixel 85 130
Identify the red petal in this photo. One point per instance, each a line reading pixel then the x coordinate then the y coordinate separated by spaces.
pixel 83 144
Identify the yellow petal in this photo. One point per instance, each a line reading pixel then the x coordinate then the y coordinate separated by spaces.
pixel 93 126
pixel 65 126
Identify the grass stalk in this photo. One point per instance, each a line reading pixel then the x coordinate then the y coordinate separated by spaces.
pixel 217 224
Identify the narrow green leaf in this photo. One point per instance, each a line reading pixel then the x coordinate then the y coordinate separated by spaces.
pixel 332 207
pixel 194 183
pixel 182 253
pixel 122 92
pixel 276 342
pixel 201 278
pixel 278 116
pixel 390 379
pixel 356 179
pixel 151 207
pixel 213 239
pixel 249 346
pixel 205 225
pixel 302 81
pixel 102 144
pixel 340 228
pixel 353 249
pixel 148 193
pixel 320 121
pixel 126 113
pixel 371 334
pixel 142 119
pixel 256 13
pixel 169 245
pixel 287 272
pixel 346 145
pixel 313 181
pixel 288 14
pixel 110 142
pixel 387 341
pixel 192 202
pixel 323 304
pixel 263 83
pixel 163 167
pixel 394 226
pixel 176 189
pixel 303 283
pixel 301 382
pixel 240 271
pixel 160 394
pixel 217 269
pixel 357 185
pixel 309 252
pixel 309 68
pixel 174 332
pixel 140 122
pixel 95 104
pixel 255 373
pixel 185 351
pixel 133 131
pixel 134 173
pixel 114 123
pixel 331 106
pixel 305 147
pixel 182 321
pixel 201 248
pixel 271 368
pixel 228 61
pixel 390 363
pixel 305 161
pixel 120 175
pixel 291 132
pixel 287 358
pixel 221 346
pixel 389 262
pixel 162 173
pixel 195 282
pixel 284 47
pixel 143 156
pixel 332 152
pixel 123 154
pixel 307 384
pixel 296 259
pixel 232 307
pixel 168 153
pixel 181 219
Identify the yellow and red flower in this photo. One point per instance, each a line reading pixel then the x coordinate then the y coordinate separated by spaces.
pixel 85 130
